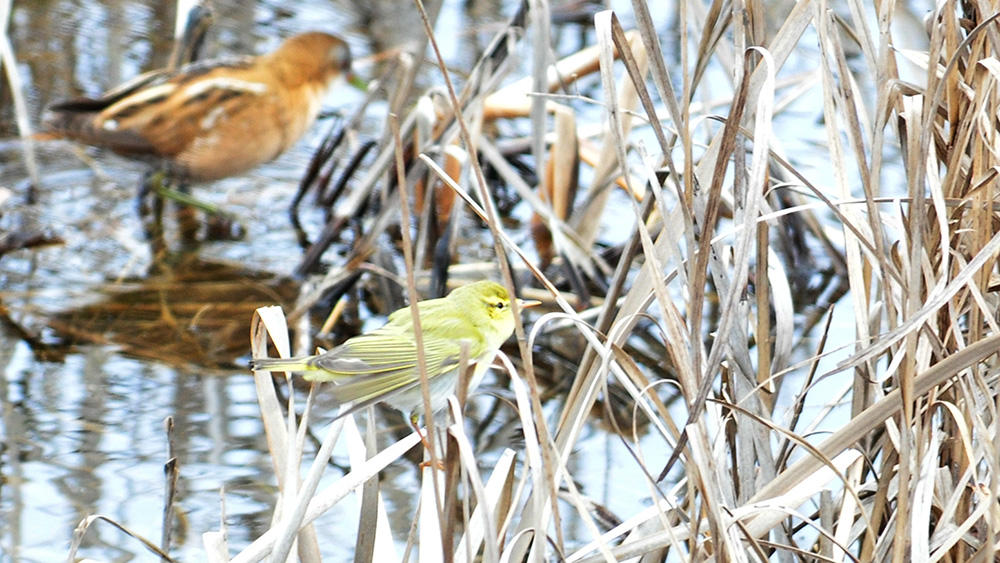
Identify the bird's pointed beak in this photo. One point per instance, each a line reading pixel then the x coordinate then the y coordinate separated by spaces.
pixel 528 304
pixel 357 82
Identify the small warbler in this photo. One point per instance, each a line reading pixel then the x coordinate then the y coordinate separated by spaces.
pixel 382 365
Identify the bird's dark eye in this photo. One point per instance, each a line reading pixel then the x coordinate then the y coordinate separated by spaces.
pixel 499 305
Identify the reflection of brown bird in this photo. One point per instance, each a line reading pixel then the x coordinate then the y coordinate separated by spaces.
pixel 211 119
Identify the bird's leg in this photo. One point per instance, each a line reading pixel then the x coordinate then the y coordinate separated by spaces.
pixel 414 421
pixel 152 182
pixel 184 213
pixel 145 187
pixel 150 207
pixel 219 224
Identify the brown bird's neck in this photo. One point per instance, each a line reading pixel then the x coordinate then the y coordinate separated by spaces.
pixel 294 66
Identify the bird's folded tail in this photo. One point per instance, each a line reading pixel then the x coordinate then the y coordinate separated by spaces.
pixel 76 120
pixel 295 365
pixel 353 391
pixel 72 119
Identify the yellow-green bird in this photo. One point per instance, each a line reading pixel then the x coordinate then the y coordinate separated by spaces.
pixel 381 365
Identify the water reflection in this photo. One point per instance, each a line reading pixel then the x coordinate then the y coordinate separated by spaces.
pixel 196 313
pixel 87 438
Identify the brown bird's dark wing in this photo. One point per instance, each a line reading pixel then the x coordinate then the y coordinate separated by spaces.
pixel 139 118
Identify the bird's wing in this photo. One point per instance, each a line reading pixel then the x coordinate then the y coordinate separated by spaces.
pixel 129 118
pixel 371 367
pixel 75 117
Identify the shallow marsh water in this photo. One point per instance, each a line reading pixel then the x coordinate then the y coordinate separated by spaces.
pixel 83 427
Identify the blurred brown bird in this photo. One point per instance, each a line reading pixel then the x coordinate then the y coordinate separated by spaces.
pixel 212 119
